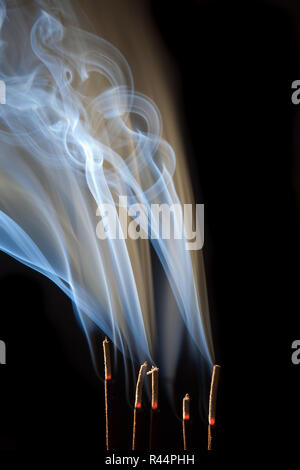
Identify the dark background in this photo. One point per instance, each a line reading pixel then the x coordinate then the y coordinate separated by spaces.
pixel 236 62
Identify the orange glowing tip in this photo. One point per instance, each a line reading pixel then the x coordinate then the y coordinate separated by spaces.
pixel 186 417
pixel 138 405
pixel 155 405
pixel 108 377
pixel 212 421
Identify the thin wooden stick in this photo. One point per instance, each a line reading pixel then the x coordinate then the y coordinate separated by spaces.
pixel 154 408
pixel 212 404
pixel 108 392
pixel 186 422
pixel 137 414
pixel 209 441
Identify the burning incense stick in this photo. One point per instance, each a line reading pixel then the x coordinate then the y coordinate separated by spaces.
pixel 186 421
pixel 139 385
pixel 108 391
pixel 186 407
pixel 154 373
pixel 137 418
pixel 154 408
pixel 212 403
pixel 107 362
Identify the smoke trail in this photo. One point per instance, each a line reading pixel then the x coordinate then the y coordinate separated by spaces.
pixel 76 135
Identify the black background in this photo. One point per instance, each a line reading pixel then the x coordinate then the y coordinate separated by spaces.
pixel 236 62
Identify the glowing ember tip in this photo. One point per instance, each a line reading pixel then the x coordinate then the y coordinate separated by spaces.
pixel 212 421
pixel 186 417
pixel 138 405
pixel 155 405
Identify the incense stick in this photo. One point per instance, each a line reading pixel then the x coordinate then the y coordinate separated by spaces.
pixel 108 391
pixel 213 403
pixel 139 385
pixel 186 431
pixel 137 416
pixel 154 408
pixel 154 373
pixel 107 361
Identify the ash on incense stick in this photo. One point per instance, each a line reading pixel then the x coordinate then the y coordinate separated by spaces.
pixel 213 406
pixel 186 422
pixel 138 413
pixel 153 441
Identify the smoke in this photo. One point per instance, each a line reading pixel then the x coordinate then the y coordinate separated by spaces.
pixel 74 135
